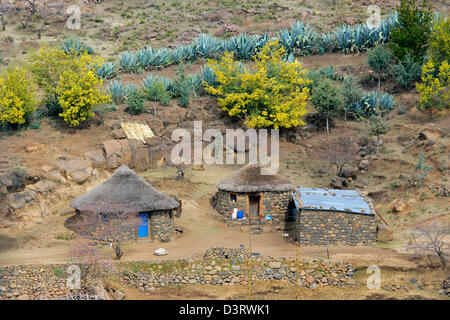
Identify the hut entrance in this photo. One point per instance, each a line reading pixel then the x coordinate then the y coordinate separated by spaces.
pixel 253 210
pixel 143 226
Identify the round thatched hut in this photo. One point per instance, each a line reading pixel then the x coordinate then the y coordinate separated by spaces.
pixel 126 192
pixel 264 198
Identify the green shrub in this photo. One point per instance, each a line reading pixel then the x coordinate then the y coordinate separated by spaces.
pixel 135 103
pixel 407 71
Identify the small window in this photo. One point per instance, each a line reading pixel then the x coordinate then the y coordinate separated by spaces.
pixel 233 197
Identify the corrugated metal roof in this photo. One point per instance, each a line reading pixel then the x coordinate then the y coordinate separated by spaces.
pixel 335 200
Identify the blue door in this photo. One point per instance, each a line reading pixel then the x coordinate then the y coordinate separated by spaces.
pixel 143 226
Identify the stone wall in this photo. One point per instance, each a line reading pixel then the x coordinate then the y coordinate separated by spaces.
pixel 36 282
pixel 321 227
pixel 275 204
pixel 161 225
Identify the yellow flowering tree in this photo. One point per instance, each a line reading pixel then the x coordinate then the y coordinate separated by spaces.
pixel 70 83
pixel 434 88
pixel 440 40
pixel 273 94
pixel 17 100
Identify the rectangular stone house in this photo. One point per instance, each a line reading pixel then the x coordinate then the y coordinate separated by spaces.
pixel 334 217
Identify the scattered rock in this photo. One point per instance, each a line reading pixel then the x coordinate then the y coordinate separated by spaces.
pixel 275 264
pixel 118 134
pixel 430 134
pixel 349 171
pixel 78 170
pixel 15 201
pixel 384 233
pixel 364 164
pixel 96 158
pixel 160 252
pixel 43 187
pixel 399 206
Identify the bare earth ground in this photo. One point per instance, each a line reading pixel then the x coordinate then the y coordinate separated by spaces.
pixel 115 26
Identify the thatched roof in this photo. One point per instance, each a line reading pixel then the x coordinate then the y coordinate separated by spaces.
pixel 250 179
pixel 124 191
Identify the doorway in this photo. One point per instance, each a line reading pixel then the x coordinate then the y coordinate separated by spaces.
pixel 254 207
pixel 143 226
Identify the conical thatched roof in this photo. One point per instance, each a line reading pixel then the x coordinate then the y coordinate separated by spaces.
pixel 250 179
pixel 124 191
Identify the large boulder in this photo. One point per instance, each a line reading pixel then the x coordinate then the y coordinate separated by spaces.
pixel 133 153
pixel 384 233
pixel 96 158
pixel 173 115
pixel 430 134
pixel 113 150
pixel 157 126
pixel 43 187
pixel 78 170
pixel 337 182
pixel 349 172
pixel 364 164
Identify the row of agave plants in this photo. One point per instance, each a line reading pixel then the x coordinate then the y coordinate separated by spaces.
pixel 299 39
pixel 365 108
pixel 117 90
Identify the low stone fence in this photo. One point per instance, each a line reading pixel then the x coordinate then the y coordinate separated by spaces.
pixel 309 274
pixel 49 281
pixel 43 282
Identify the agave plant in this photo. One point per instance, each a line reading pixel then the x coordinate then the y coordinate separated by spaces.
pixel 128 62
pixel 116 90
pixel 386 101
pixel 183 53
pixel 344 38
pixel 129 89
pixel 195 81
pixel 145 57
pixel 207 75
pixel 207 46
pixel 261 41
pixel 149 81
pixel 75 45
pixel 287 40
pixel 328 41
pixel 242 46
pixel 305 37
pixel 107 70
pixel 162 57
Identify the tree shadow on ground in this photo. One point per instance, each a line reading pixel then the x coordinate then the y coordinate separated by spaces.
pixel 7 243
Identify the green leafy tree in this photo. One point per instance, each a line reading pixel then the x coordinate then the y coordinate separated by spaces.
pixel 378 127
pixel 379 60
pixel 412 30
pixel 327 99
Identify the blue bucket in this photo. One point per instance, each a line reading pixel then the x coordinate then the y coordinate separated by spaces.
pixel 240 215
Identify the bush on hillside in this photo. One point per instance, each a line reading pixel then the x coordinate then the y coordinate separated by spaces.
pixel 273 95
pixel 70 83
pixel 17 99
